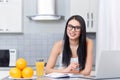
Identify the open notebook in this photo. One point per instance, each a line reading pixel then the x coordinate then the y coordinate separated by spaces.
pixel 64 75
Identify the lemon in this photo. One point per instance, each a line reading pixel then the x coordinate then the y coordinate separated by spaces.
pixel 15 73
pixel 21 63
pixel 27 72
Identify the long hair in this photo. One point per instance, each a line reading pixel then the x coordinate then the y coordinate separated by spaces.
pixel 81 51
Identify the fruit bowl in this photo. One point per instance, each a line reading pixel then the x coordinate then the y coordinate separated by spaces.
pixel 34 77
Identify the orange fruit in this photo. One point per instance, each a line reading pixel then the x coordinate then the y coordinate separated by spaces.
pixel 27 72
pixel 15 73
pixel 21 63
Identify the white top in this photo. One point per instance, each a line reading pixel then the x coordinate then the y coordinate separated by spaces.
pixel 71 60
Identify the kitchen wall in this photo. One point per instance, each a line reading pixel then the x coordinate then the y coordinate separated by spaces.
pixel 38 37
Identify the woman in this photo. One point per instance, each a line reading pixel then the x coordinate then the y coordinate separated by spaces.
pixel 75 50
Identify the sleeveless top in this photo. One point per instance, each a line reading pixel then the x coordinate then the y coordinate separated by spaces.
pixel 71 60
pixel 60 60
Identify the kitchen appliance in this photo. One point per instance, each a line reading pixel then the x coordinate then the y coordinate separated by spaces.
pixel 7 57
pixel 45 10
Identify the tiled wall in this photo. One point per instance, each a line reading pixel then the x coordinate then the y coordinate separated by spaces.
pixel 32 46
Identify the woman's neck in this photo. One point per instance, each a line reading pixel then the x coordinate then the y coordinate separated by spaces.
pixel 74 46
pixel 74 42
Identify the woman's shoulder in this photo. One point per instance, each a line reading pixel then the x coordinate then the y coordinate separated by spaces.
pixel 59 45
pixel 89 41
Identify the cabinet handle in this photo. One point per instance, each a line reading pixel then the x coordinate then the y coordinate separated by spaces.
pixel 91 15
pixel 88 20
pixel 87 23
pixel 92 20
pixel 92 23
pixel 87 15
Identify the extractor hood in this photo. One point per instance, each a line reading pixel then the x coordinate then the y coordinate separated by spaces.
pixel 45 11
pixel 45 17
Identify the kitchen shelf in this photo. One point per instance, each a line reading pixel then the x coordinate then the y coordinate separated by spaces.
pixel 44 17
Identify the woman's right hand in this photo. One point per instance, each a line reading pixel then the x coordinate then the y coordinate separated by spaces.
pixel 71 67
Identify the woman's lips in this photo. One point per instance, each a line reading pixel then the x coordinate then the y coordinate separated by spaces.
pixel 72 34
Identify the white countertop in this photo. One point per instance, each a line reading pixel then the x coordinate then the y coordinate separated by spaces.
pixel 3 74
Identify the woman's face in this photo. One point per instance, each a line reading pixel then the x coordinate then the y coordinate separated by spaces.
pixel 73 29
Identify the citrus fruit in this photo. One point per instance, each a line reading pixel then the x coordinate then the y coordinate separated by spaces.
pixel 15 73
pixel 27 72
pixel 21 63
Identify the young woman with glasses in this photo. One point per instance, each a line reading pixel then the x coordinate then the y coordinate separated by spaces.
pixel 75 51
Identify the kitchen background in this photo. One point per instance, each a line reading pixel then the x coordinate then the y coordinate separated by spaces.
pixel 38 37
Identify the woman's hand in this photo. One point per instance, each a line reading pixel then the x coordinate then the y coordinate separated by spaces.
pixel 71 67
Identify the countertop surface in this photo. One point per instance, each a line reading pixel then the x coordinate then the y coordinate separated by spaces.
pixel 5 74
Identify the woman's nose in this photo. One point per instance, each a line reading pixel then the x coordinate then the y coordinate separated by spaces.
pixel 73 29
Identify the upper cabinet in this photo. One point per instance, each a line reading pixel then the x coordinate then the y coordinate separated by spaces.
pixel 88 9
pixel 10 16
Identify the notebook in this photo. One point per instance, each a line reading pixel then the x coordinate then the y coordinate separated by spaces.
pixel 63 75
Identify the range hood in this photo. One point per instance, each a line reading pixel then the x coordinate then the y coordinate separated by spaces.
pixel 45 11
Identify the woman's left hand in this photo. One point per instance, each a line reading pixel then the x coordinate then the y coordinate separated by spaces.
pixel 73 66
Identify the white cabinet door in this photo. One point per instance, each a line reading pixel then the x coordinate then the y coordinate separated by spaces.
pixel 93 16
pixel 88 10
pixel 10 16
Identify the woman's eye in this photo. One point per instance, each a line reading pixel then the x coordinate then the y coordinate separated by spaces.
pixel 78 27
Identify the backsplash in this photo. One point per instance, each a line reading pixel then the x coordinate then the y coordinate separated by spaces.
pixel 32 46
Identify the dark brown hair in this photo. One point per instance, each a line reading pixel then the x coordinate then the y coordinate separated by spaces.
pixel 81 51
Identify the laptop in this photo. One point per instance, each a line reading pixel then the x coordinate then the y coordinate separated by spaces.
pixel 108 66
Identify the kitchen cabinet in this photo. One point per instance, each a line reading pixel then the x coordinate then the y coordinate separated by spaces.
pixel 88 9
pixel 10 16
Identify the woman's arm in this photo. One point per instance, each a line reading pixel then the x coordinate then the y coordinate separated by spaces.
pixel 89 60
pixel 56 50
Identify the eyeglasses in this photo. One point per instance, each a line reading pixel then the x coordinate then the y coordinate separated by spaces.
pixel 76 28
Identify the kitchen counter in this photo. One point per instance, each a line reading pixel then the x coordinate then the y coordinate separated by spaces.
pixel 4 68
pixel 3 74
